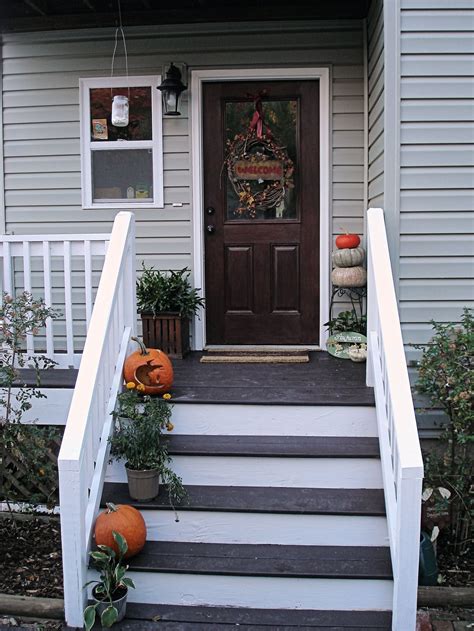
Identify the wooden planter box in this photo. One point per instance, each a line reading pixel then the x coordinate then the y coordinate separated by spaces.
pixel 168 332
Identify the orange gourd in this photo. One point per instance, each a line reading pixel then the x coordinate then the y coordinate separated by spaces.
pixel 347 241
pixel 149 367
pixel 126 520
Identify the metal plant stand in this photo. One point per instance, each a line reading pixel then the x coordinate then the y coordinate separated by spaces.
pixel 355 294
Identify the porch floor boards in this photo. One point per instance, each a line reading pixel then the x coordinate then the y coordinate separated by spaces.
pixel 324 380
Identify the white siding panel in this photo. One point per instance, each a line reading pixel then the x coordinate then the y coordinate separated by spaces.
pixel 437 133
pixel 436 88
pixel 438 110
pixel 437 155
pixel 434 200
pixel 437 245
pixel 424 289
pixel 434 178
pixel 437 20
pixel 436 267
pixel 437 43
pixel 443 223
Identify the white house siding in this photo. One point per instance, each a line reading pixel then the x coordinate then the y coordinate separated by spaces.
pixel 436 164
pixel 375 42
pixel 41 120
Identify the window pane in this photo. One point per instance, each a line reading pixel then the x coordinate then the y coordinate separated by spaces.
pixel 263 175
pixel 122 175
pixel 139 126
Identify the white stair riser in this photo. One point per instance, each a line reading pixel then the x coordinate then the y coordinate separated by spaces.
pixel 52 410
pixel 334 473
pixel 260 528
pixel 274 420
pixel 260 592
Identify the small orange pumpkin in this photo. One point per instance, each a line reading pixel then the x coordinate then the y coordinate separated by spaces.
pixel 347 240
pixel 149 367
pixel 127 521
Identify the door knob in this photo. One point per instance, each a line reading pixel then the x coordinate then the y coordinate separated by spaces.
pixel 210 229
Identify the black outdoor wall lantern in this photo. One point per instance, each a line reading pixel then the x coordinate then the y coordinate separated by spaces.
pixel 171 88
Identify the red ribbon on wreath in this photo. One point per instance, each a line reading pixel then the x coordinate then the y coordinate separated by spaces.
pixel 257 121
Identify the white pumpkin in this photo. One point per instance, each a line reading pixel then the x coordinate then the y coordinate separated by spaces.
pixel 349 276
pixel 348 257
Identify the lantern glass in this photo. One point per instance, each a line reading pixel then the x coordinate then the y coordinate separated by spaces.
pixel 171 87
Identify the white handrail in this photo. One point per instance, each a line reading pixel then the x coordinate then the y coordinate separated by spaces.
pixel 61 264
pixel 402 463
pixel 84 451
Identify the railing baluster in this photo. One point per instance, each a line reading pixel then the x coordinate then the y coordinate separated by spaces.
pixel 30 344
pixel 68 303
pixel 7 269
pixel 88 280
pixel 48 296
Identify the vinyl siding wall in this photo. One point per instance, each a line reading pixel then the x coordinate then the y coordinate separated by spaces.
pixel 376 78
pixel 436 250
pixel 41 120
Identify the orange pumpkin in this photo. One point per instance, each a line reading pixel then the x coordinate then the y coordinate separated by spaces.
pixel 149 367
pixel 347 241
pixel 127 521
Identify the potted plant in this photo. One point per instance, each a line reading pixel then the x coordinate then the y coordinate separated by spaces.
pixel 110 591
pixel 166 302
pixel 348 336
pixel 141 425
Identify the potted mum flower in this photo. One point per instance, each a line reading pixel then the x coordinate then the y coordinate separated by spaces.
pixel 140 438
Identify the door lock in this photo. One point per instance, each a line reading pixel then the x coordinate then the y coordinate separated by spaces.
pixel 210 210
pixel 210 229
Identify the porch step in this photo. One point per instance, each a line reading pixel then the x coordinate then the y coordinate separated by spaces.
pixel 274 446
pixel 245 499
pixel 140 616
pixel 286 561
pixel 278 515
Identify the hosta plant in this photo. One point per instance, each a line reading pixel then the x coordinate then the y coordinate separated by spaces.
pixel 112 583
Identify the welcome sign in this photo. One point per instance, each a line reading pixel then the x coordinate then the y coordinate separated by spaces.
pixel 264 170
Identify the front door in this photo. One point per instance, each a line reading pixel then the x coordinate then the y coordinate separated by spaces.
pixel 261 212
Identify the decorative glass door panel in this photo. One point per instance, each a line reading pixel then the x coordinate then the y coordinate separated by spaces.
pixel 261 167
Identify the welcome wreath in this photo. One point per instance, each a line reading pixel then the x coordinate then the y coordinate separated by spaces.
pixel 267 164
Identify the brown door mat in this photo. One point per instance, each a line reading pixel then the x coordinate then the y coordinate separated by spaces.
pixel 277 356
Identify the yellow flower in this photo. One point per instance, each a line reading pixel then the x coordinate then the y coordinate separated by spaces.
pixel 130 385
pixel 140 387
pixel 170 427
pixel 167 396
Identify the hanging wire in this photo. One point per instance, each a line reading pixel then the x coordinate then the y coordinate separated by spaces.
pixel 117 30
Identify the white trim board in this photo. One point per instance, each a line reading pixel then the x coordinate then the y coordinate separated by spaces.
pixel 198 77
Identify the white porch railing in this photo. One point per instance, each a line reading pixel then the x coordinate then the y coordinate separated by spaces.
pixel 61 269
pixel 84 451
pixel 402 464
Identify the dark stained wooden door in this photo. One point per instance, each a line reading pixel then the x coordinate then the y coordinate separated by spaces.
pixel 262 261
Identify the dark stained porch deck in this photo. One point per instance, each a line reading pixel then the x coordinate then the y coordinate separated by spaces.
pixel 324 380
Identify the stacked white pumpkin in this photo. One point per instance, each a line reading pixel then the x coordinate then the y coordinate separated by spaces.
pixel 347 261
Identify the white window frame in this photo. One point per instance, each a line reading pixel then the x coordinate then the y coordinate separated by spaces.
pixel 88 145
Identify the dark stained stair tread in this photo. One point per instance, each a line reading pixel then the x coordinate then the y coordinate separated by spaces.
pixel 261 500
pixel 186 618
pixel 264 560
pixel 275 446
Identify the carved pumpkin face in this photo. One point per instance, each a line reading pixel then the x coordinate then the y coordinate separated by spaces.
pixel 151 368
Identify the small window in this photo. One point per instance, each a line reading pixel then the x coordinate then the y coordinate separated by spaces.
pixel 122 167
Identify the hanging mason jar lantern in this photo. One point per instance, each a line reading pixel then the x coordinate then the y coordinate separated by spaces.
pixel 171 88
pixel 120 111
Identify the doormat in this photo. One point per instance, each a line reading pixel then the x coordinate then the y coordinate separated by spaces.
pixel 255 357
